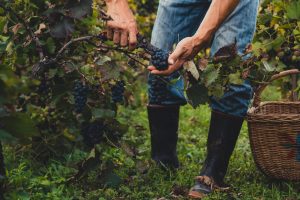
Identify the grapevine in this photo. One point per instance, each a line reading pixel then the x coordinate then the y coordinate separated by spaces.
pixel 59 69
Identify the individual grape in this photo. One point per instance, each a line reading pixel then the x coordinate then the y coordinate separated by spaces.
pixel 80 93
pixel 117 92
pixel 92 133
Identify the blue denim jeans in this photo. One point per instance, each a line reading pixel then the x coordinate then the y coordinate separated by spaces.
pixel 177 19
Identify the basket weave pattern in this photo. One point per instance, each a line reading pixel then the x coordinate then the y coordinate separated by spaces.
pixel 274 131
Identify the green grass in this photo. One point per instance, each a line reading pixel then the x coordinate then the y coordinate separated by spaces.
pixel 137 178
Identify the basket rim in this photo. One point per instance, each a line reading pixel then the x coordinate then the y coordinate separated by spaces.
pixel 273 114
pixel 273 120
pixel 251 110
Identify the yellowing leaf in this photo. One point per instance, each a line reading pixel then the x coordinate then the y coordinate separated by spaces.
pixel 191 67
pixel 9 48
pixel 236 78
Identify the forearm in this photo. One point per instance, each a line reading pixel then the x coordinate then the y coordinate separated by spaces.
pixel 120 3
pixel 217 13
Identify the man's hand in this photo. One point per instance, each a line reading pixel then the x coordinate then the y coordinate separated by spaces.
pixel 185 51
pixel 187 48
pixel 122 29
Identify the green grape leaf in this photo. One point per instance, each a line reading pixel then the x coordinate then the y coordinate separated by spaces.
pixel 62 29
pixel 9 48
pixel 19 125
pixel 50 44
pixel 216 91
pixel 109 71
pixel 278 42
pixel 103 113
pixel 235 78
pixel 103 60
pixel 234 62
pixel 257 48
pixel 52 72
pixel 89 164
pixel 5 136
pixel 268 67
pixel 197 94
pixel 293 10
pixel 3 112
pixel 210 74
pixel 113 180
pixel 79 9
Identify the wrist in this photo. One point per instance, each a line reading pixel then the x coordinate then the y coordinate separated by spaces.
pixel 203 37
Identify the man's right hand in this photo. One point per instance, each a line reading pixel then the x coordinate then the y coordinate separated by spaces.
pixel 122 29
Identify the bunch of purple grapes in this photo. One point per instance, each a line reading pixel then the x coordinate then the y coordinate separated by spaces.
pixel 80 93
pixel 117 92
pixel 92 133
pixel 159 57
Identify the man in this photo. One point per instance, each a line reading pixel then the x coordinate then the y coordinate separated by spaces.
pixel 196 24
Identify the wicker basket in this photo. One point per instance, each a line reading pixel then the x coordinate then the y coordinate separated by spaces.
pixel 274 132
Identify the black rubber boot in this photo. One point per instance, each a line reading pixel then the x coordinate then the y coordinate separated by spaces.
pixel 163 123
pixel 223 133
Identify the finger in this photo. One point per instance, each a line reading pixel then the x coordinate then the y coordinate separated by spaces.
pixel 110 34
pixel 162 73
pixel 115 25
pixel 124 38
pixel 175 56
pixel 132 39
pixel 151 68
pixel 170 70
pixel 117 37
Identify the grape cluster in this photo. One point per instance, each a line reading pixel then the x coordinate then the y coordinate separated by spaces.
pixel 43 87
pixel 157 90
pixel 117 92
pixel 80 93
pixel 159 59
pixel 289 56
pixel 92 133
pixel 163 89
